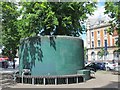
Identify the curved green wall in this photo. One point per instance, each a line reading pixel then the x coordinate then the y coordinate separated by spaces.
pixel 52 55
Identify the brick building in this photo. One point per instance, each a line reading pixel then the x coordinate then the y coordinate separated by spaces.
pixel 97 36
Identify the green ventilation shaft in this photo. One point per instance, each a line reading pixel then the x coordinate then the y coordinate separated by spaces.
pixel 52 55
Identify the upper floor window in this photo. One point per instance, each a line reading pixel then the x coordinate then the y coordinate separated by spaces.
pixel 92 44
pixel 92 34
pixel 98 43
pixel 105 32
pixel 116 39
pixel 105 42
pixel 98 32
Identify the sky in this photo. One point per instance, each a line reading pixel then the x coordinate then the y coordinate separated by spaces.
pixel 99 12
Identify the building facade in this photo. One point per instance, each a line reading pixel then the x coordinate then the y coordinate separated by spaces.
pixel 101 46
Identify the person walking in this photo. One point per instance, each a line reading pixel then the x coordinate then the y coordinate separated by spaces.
pixel 13 64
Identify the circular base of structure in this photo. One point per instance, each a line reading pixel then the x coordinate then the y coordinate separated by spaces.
pixel 44 80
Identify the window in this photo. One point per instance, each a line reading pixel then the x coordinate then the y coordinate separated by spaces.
pixel 99 56
pixel 116 39
pixel 92 44
pixel 98 43
pixel 105 44
pixel 105 32
pixel 98 32
pixel 93 56
pixel 116 55
pixel 105 41
pixel 92 34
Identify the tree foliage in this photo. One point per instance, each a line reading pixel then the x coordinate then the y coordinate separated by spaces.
pixel 0 26
pixel 56 18
pixel 10 34
pixel 25 19
pixel 101 53
pixel 113 10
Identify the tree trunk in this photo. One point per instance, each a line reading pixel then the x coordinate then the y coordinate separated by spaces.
pixel 59 29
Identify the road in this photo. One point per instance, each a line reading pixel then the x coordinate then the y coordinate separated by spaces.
pixel 103 79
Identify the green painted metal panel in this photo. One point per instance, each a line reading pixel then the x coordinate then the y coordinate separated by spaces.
pixel 85 72
pixel 52 55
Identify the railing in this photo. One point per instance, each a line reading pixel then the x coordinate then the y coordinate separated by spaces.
pixel 44 80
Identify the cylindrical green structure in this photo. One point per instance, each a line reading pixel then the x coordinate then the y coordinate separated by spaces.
pixel 52 55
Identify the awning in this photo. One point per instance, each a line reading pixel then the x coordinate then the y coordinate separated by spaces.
pixel 3 58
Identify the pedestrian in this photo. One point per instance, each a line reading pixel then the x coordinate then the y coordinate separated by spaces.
pixel 13 64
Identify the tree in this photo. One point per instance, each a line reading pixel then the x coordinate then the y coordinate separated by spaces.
pixel 57 18
pixel 0 25
pixel 10 34
pixel 0 34
pixel 112 9
pixel 25 19
pixel 101 53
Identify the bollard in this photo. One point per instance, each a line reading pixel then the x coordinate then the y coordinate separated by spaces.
pixel 66 80
pixel 77 79
pixel 44 81
pixel 55 81
pixel 22 77
pixel 33 80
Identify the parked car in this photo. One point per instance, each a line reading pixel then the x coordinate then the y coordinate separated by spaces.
pixel 91 66
pixel 110 65
pixel 100 65
pixel 87 63
pixel 94 66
